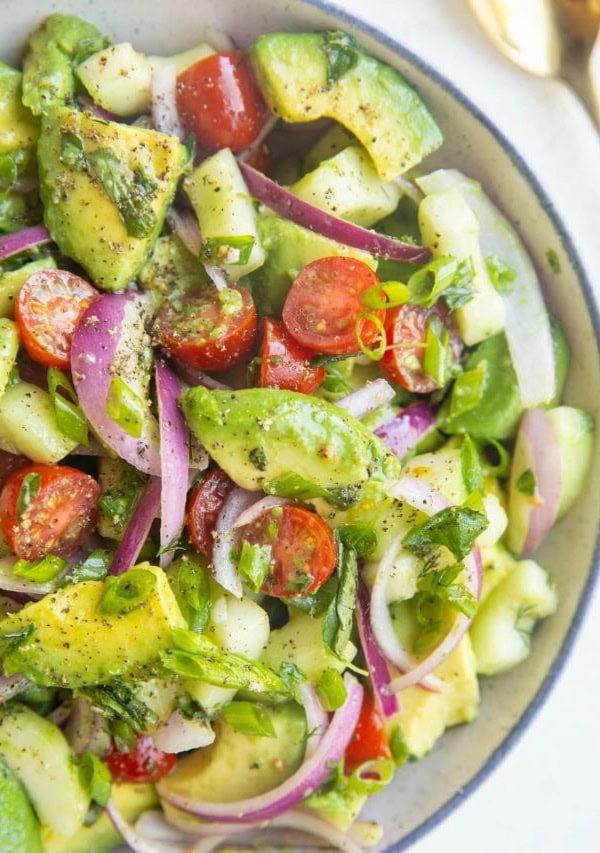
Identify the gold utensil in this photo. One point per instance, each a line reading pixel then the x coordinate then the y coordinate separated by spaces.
pixel 550 38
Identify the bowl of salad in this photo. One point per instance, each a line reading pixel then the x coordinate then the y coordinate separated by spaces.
pixel 296 510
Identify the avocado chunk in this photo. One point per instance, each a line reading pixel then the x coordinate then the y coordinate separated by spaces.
pixel 101 837
pixel 339 80
pixel 237 766
pixel 288 248
pixel 260 436
pixel 106 188
pixel 300 641
pixel 54 49
pixel 39 755
pixel 425 715
pixel 69 642
pixel 18 128
pixel 19 827
pixel 485 401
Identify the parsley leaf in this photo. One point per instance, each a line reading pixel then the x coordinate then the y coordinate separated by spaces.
pixel 501 275
pixel 339 617
pixel 456 527
pixel 342 52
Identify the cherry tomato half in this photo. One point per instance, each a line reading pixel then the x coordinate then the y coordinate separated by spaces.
pixel 48 509
pixel 205 503
pixel 208 329
pixel 145 763
pixel 285 363
pixel 324 303
pixel 406 330
pixel 303 553
pixel 48 309
pixel 369 741
pixel 220 102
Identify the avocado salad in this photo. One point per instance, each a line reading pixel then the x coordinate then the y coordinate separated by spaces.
pixel 280 428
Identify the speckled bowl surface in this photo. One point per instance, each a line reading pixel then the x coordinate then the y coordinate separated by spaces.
pixel 423 793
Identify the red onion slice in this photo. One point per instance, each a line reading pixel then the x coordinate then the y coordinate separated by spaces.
pixel 290 793
pixel 316 718
pixel 110 332
pixel 138 528
pixel 405 430
pixel 22 241
pixel 224 569
pixel 174 459
pixel 288 205
pixel 419 494
pixel 536 443
pixel 194 377
pixel 460 626
pixel 368 398
pixel 180 734
pixel 141 843
pixel 255 510
pixel 376 663
pixel 163 104
pixel 265 130
pixel 217 276
pixel 86 729
pixel 185 225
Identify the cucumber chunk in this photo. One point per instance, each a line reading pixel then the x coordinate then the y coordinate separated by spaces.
pixel 575 436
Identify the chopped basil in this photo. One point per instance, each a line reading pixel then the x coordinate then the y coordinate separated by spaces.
pixel 526 483
pixel 342 53
pixel 291 485
pixel 30 487
pixel 468 389
pixel 93 568
pixel 127 592
pixel 470 464
pixel 255 564
pixel 189 577
pixel 334 382
pixel 501 275
pixel 42 570
pixel 117 701
pixel 234 250
pixel 125 407
pixel 95 778
pixel 131 191
pixel 118 503
pixel 445 277
pixel 258 457
pixel 316 603
pixel 456 528
pixel 437 358
pixel 339 617
pixel 194 656
pixel 439 583
pixel 249 718
pixel 70 418
pixel 552 260
pixel 346 793
pixel 331 690
pixel 361 537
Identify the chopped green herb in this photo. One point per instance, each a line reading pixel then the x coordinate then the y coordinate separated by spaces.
pixel 93 568
pixel 189 577
pixel 342 53
pixel 254 564
pixel 335 382
pixel 456 528
pixel 249 718
pixel 468 389
pixel 331 690
pixel 501 275
pixel 437 358
pixel 445 277
pixel 30 487
pixel 526 483
pixel 70 418
pixel 339 617
pixel 234 250
pixel 361 537
pixel 291 485
pixel 95 778
pixel 258 457
pixel 552 260
pixel 127 592
pixel 131 191
pixel 117 701
pixel 470 464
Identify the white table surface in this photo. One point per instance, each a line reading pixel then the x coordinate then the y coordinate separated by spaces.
pixel 545 795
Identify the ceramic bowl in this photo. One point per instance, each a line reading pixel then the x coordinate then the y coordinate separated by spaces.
pixel 423 793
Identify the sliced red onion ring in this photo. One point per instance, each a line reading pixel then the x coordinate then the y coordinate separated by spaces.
pixel 307 778
pixel 141 843
pixel 376 663
pixel 255 510
pixel 305 821
pixel 22 241
pixel 180 734
pixel 460 626
pixel 288 205
pixel 536 443
pixel 368 398
pixel 224 569
pixel 265 130
pixel 382 625
pixel 163 104
pixel 316 718
pixel 174 459
pixel 217 276
pixel 138 528
pixel 185 225
pixel 405 430
pixel 419 494
pixel 86 729
pixel 110 332
pixel 12 685
pixel 194 377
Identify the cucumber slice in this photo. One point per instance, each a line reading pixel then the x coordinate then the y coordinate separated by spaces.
pixel 575 436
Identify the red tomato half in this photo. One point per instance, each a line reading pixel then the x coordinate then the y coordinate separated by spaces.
pixel 205 331
pixel 145 763
pixel 369 741
pixel 51 513
pixel 204 505
pixel 406 330
pixel 285 363
pixel 324 303
pixel 220 102
pixel 303 553
pixel 48 309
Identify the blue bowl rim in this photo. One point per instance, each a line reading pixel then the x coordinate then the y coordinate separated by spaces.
pixel 555 670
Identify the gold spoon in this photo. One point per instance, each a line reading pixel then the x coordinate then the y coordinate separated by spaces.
pixel 550 38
